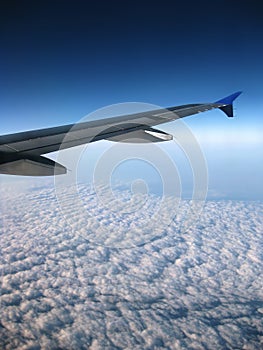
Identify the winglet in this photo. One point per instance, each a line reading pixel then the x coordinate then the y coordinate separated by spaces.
pixel 227 103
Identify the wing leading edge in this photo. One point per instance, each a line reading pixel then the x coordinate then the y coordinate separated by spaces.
pixel 21 153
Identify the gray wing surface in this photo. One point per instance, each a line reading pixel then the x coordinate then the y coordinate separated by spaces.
pixel 21 153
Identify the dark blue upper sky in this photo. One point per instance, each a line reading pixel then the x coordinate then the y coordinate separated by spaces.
pixel 61 60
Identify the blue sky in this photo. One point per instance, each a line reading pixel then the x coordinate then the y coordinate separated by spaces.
pixel 61 60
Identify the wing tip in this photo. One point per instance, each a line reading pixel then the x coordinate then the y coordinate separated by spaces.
pixel 227 103
pixel 229 99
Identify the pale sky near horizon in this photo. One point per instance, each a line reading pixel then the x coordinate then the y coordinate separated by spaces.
pixel 62 63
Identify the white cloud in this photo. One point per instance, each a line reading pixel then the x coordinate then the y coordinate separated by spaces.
pixel 196 289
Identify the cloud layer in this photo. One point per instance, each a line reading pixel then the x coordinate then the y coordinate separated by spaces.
pixel 194 289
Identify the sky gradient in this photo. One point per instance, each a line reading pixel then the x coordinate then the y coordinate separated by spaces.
pixel 61 60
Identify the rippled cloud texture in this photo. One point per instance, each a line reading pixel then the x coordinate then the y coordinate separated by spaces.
pixel 199 289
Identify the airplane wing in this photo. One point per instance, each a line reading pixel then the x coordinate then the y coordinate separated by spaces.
pixel 21 153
